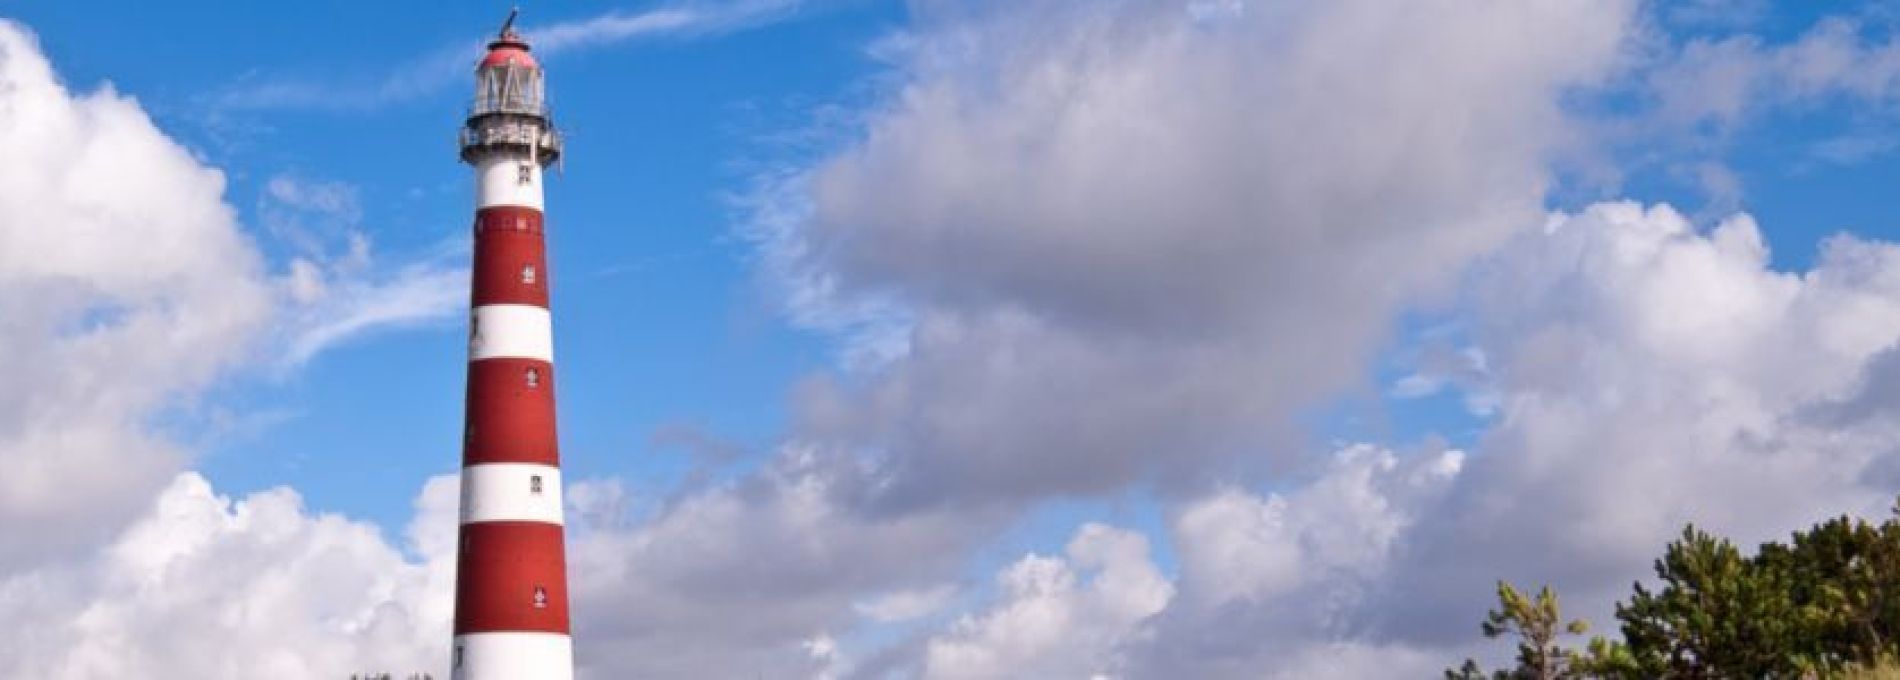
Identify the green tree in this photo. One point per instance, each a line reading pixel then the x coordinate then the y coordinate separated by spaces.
pixel 1537 622
pixel 1825 604
pixel 1717 615
pixel 1845 574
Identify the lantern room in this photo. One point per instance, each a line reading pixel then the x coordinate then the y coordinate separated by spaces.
pixel 508 80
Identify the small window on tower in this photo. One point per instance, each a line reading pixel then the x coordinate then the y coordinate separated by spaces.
pixel 527 274
pixel 534 484
pixel 540 597
pixel 524 173
pixel 458 656
pixel 534 377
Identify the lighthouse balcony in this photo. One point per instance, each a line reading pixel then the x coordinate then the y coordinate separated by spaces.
pixel 495 134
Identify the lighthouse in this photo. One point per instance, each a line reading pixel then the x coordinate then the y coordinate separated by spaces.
pixel 511 620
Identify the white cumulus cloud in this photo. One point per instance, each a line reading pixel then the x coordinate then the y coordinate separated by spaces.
pixel 1131 240
pixel 126 287
pixel 206 586
pixel 1058 616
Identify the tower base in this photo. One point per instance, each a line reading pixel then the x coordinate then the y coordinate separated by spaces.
pixel 513 656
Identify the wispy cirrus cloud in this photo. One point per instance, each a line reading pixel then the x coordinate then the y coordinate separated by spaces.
pixel 352 304
pixel 685 20
pixel 336 288
pixel 432 72
pixel 410 80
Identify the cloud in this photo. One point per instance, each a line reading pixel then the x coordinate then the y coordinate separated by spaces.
pixel 1060 616
pixel 1130 242
pixel 1279 585
pixel 1647 374
pixel 687 19
pixel 1268 586
pixel 205 586
pixel 730 581
pixel 308 214
pixel 351 300
pixel 1852 149
pixel 1651 375
pixel 873 328
pixel 905 605
pixel 336 290
pixel 126 288
pixel 738 579
pixel 415 294
pixel 1721 81
pixel 1704 77
pixel 429 74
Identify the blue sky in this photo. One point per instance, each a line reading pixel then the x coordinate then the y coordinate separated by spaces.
pixel 657 301
pixel 891 333
pixel 656 309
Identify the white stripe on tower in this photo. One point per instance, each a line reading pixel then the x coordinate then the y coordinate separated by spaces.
pixel 498 181
pixel 518 331
pixel 511 492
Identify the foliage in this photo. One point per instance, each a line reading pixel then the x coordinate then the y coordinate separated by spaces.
pixel 1537 623
pixel 1825 604
pixel 1887 669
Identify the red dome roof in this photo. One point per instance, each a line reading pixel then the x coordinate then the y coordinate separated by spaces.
pixel 503 53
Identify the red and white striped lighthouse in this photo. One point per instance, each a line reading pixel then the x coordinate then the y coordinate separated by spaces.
pixel 511 619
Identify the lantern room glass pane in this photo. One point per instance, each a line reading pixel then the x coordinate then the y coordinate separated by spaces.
pixel 509 89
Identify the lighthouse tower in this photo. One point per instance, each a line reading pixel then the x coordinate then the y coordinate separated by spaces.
pixel 511 618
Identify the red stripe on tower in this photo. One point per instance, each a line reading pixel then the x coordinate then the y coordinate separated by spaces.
pixel 511 619
pixel 510 260
pixel 525 565
pixel 510 412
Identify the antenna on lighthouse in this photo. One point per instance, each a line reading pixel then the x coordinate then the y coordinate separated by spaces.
pixel 508 27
